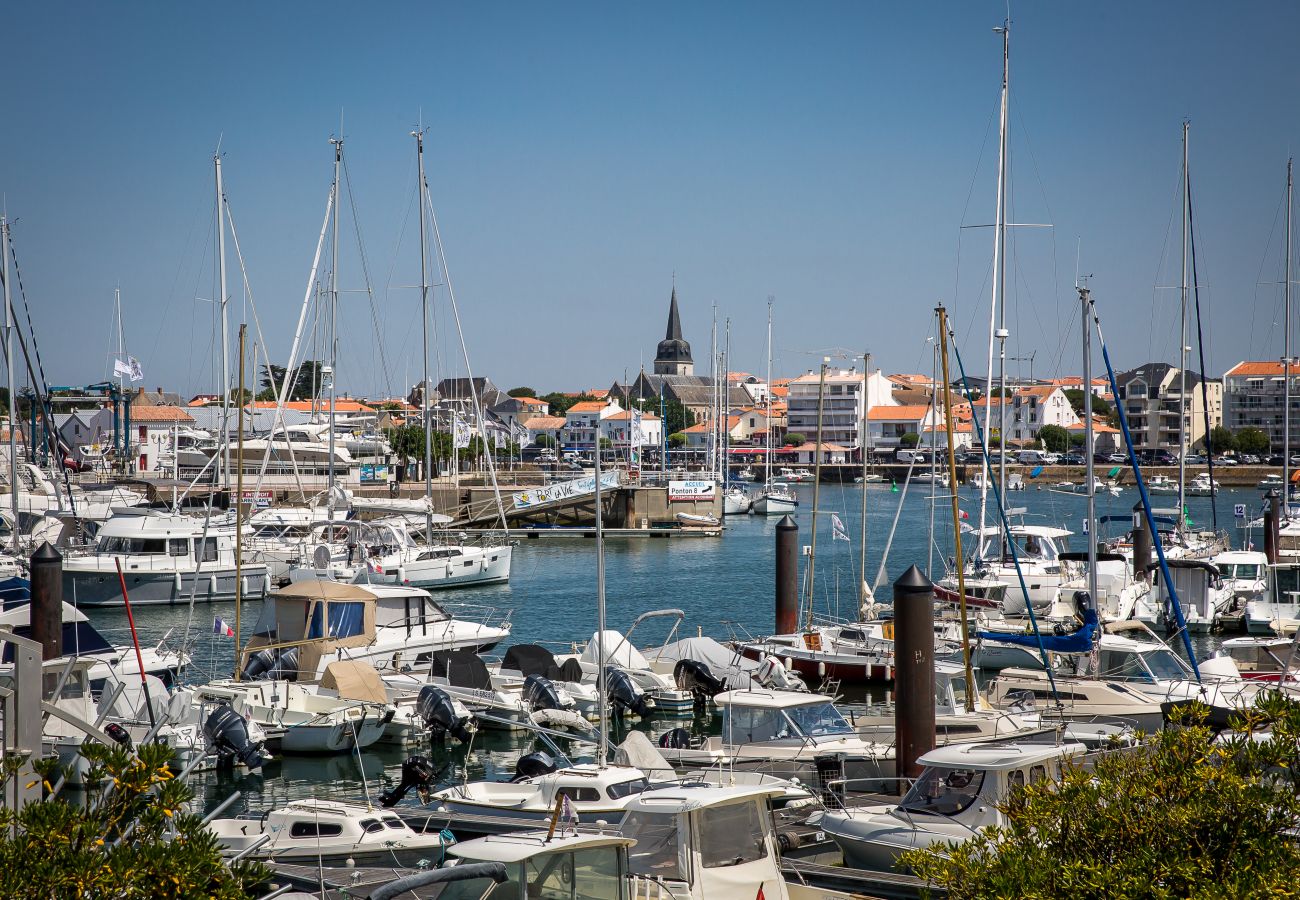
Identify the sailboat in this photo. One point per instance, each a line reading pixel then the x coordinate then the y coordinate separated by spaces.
pixel 775 499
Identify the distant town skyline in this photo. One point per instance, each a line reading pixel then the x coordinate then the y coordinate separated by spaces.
pixel 839 158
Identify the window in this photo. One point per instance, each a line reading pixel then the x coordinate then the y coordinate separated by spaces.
pixel 314 829
pixel 370 826
pixel 345 619
pixel 206 550
pixel 394 822
pixel 818 720
pixel 550 877
pixel 582 794
pixel 731 835
pixel 748 725
pixel 627 788
pixel 943 791
pixel 1037 773
pixel 655 853
pixel 178 547
pixel 597 874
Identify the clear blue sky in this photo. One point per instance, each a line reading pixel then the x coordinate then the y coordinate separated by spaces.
pixel 579 154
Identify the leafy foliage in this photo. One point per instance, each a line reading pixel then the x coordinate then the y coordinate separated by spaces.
pixel 795 438
pixel 1252 440
pixel 911 439
pixel 560 403
pixel 1181 816
pixel 121 843
pixel 1221 440
pixel 544 440
pixel 308 379
pixel 677 439
pixel 521 392
pixel 1054 438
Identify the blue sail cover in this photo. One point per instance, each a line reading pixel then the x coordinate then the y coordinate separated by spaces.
pixel 1077 641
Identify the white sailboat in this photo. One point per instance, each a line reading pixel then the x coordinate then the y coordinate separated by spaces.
pixel 775 499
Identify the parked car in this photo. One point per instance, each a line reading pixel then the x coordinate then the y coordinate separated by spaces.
pixel 1111 458
pixel 1194 459
pixel 1075 458
pixel 1225 460
pixel 1275 459
pixel 1249 459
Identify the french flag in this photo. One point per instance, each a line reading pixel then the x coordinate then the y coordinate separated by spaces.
pixel 219 626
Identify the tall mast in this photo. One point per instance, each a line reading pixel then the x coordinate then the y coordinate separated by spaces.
pixel 239 507
pixel 996 331
pixel 942 347
pixel 864 591
pixel 9 379
pixel 1001 260
pixel 1182 349
pixel 121 338
pixel 713 370
pixel 424 355
pixel 225 349
pixel 333 319
pixel 767 476
pixel 602 699
pixel 1087 445
pixel 1286 364
pixel 817 485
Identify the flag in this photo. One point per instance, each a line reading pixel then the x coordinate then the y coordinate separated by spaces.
pixel 459 433
pixel 568 812
pixel 964 515
pixel 220 627
pixel 136 373
pixel 837 529
pixel 121 368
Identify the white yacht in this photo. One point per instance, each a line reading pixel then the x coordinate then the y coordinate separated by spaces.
pixel 326 832
pixel 1038 550
pixel 1271 482
pixel 962 789
pixel 735 501
pixel 1202 596
pixel 164 557
pixel 1202 486
pixel 775 500
pixel 305 445
pixel 1162 484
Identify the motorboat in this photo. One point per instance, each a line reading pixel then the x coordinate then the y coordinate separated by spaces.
pixel 81 639
pixel 616 650
pixel 306 625
pixel 1036 556
pixel 1246 574
pixel 1202 486
pixel 1162 484
pixel 165 559
pixel 735 501
pixel 852 654
pixel 1202 595
pixel 1118 592
pixel 1271 482
pixel 1263 658
pixel 962 789
pixel 596 793
pixel 691 520
pixel 532 865
pixel 774 500
pixel 306 445
pixel 787 734
pixel 793 476
pixel 1277 611
pixel 327 832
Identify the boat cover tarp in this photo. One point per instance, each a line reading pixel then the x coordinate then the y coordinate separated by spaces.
pixel 722 661
pixel 531 659
pixel 638 751
pixel 618 651
pixel 1078 641
pixel 354 680
pixel 461 668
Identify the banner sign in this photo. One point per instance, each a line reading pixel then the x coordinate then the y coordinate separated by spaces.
pixel 691 490
pixel 565 490
pixel 371 473
pixel 260 499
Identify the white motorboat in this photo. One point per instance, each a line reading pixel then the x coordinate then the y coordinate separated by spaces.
pixel 1262 658
pixel 1202 596
pixel 326 832
pixel 544 865
pixel 1271 482
pixel 775 500
pixel 735 501
pixel 1162 484
pixel 165 559
pixel 962 789
pixel 1037 556
pixel 307 625
pixel 691 520
pixel 1202 486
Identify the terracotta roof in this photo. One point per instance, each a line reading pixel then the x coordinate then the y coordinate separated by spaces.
pixel 779 390
pixel 1097 428
pixel 159 414
pixel 529 401
pixel 545 423
pixel 905 378
pixel 958 427
pixel 1042 390
pixel 738 376
pixel 626 415
pixel 588 406
pixel 897 413
pixel 1256 367
pixel 697 428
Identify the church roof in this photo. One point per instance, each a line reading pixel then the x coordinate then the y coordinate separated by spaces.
pixel 673 348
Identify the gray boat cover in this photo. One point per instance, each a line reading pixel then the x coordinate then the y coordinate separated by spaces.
pixel 722 661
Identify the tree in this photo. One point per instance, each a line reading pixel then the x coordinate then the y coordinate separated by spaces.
pixel 676 416
pixel 136 840
pixel 1252 440
pixel 1078 439
pixel 1054 438
pixel 408 444
pixel 521 392
pixel 560 403
pixel 1100 407
pixel 1221 440
pixel 267 394
pixel 911 439
pixel 794 438
pixel 1182 815
pixel 544 440
pixel 677 439
pixel 235 396
pixel 304 386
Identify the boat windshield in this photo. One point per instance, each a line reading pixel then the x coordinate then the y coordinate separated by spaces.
pixel 1244 571
pixel 129 546
pixel 656 853
pixel 584 875
pixel 818 720
pixel 1127 665
pixel 942 791
pixel 478 888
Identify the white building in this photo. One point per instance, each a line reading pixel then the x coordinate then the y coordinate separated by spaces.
pixel 623 430
pixel 887 424
pixel 582 422
pixel 1027 410
pixel 844 404
pixel 1254 397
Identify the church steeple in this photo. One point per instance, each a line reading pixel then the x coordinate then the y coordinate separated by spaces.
pixel 673 356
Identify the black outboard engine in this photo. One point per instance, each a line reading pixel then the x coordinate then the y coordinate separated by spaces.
pixel 259 664
pixel 118 733
pixel 441 715
pixel 530 765
pixel 677 739
pixel 626 694
pixel 227 732
pixel 418 773
pixel 694 676
pixel 541 693
pixel 272 664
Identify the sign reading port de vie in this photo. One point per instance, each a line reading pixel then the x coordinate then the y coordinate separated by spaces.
pixel 565 490
pixel 260 499
pixel 691 490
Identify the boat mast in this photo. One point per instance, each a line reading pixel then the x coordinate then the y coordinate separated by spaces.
pixel 1093 534
pixel 1286 364
pixel 767 478
pixel 602 699
pixel 1182 352
pixel 9 376
pixel 999 273
pixel 1001 261
pixel 239 505
pixel 864 592
pixel 225 347
pixel 817 485
pixel 956 511
pixel 424 355
pixel 332 327
pixel 121 339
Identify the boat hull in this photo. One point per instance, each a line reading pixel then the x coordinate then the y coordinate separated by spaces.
pixel 101 588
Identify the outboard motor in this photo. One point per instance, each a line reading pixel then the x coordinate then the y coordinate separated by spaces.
pixel 268 665
pixel 227 732
pixel 694 676
pixel 677 739
pixel 530 765
pixel 626 694
pixel 259 664
pixel 118 733
pixel 771 673
pixel 541 693
pixel 418 773
pixel 442 715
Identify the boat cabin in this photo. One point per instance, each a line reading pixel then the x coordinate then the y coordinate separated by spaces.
pixel 1254 658
pixel 1124 659
pixel 315 618
pixel 757 717
pixel 572 867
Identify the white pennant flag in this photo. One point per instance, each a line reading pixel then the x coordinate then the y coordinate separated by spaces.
pixel 837 529
pixel 137 374
pixel 121 368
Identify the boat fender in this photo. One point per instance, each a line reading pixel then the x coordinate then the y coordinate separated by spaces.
pixel 821 669
pixel 788 840
pixel 178 588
